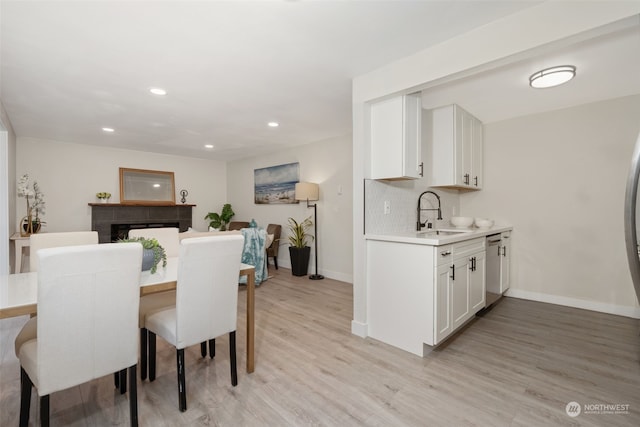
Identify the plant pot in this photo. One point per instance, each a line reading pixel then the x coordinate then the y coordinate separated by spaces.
pixel 147 259
pixel 299 260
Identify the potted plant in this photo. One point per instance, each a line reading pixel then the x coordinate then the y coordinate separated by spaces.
pixel 152 253
pixel 220 220
pixel 103 196
pixel 299 251
pixel 31 223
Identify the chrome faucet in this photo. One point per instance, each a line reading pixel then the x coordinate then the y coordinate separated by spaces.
pixel 421 224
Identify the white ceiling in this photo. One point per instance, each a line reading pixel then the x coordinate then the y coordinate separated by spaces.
pixel 70 68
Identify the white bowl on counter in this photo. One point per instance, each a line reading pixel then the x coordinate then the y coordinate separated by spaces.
pixel 484 223
pixel 461 221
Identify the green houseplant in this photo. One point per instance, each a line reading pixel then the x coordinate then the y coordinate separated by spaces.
pixel 220 220
pixel 299 251
pixel 152 253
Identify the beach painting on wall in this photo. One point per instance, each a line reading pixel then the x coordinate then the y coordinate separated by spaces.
pixel 276 184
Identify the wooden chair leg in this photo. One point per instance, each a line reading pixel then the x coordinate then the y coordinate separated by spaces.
pixel 212 348
pixel 203 349
pixel 143 353
pixel 116 379
pixel 182 386
pixel 44 411
pixel 152 356
pixel 232 358
pixel 25 397
pixel 133 397
pixel 275 261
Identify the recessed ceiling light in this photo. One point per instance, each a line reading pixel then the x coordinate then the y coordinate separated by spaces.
pixel 156 185
pixel 554 76
pixel 158 91
pixel 273 124
pixel 208 146
pixel 108 130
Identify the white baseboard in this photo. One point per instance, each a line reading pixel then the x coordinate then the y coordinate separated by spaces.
pixel 335 275
pixel 359 329
pixel 620 310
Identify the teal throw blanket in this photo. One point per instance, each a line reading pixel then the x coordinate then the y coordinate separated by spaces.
pixel 254 252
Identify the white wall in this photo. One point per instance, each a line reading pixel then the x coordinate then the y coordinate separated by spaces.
pixel 8 190
pixel 70 175
pixel 560 178
pixel 327 163
pixel 488 44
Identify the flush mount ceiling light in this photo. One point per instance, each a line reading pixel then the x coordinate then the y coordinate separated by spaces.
pixel 108 130
pixel 273 124
pixel 550 77
pixel 158 91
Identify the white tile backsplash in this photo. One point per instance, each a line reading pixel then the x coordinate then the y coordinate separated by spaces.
pixel 403 202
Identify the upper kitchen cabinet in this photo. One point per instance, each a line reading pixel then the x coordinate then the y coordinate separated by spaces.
pixel 453 145
pixel 396 138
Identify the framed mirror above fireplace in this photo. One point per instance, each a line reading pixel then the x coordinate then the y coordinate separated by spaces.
pixel 146 187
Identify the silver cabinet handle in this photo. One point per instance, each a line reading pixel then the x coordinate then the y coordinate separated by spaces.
pixel 421 169
pixel 448 253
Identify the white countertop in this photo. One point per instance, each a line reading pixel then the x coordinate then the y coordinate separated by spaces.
pixel 422 238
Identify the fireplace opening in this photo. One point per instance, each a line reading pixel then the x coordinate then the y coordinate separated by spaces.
pixel 121 231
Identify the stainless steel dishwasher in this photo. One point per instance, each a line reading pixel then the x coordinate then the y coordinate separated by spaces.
pixel 494 243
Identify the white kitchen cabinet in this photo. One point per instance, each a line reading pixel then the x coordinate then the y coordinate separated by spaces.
pixel 460 286
pixel 505 261
pixel 396 138
pixel 453 148
pixel 421 294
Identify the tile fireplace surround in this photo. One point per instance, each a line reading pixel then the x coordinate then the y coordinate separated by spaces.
pixel 107 217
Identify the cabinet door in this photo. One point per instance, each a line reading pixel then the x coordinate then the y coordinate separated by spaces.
pixel 477 147
pixel 477 282
pixel 505 261
pixel 396 138
pixel 465 142
pixel 442 306
pixel 460 308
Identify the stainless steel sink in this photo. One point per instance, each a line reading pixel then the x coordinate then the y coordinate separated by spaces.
pixel 443 232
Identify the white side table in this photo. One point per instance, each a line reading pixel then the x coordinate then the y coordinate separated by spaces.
pixel 19 243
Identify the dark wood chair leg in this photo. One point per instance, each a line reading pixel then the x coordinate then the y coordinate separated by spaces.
pixel 143 353
pixel 203 349
pixel 44 411
pixel 133 397
pixel 212 348
pixel 232 358
pixel 182 386
pixel 152 356
pixel 25 397
pixel 123 381
pixel 275 261
pixel 116 379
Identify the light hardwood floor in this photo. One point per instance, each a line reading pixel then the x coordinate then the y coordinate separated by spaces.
pixel 518 365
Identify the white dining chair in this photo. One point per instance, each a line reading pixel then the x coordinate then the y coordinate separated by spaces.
pixel 168 238
pixel 86 324
pixel 56 240
pixel 206 303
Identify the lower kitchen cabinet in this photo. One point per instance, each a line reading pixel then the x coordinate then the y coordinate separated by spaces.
pixel 420 294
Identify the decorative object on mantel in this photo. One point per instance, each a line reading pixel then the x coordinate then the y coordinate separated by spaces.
pixel 276 184
pixel 147 187
pixel 299 251
pixel 184 194
pixel 31 223
pixel 103 196
pixel 220 220
pixel 152 253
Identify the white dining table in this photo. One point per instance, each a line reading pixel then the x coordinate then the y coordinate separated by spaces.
pixel 19 295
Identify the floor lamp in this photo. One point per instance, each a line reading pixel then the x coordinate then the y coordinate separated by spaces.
pixel 310 192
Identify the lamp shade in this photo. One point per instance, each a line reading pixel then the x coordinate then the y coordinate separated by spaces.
pixel 307 191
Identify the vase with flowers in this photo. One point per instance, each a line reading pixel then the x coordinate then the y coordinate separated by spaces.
pixel 103 196
pixel 32 222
